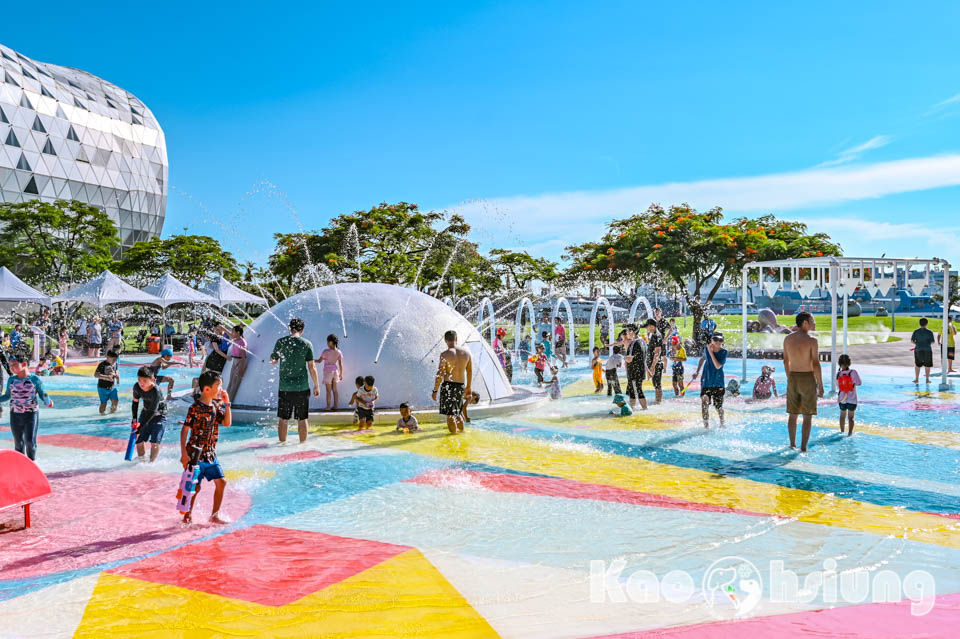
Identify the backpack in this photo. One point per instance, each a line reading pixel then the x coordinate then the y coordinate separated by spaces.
pixel 845 381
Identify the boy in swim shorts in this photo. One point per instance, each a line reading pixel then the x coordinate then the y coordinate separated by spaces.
pixel 107 379
pixel 152 421
pixel 367 396
pixel 201 429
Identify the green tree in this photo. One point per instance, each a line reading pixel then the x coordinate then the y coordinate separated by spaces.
pixel 54 245
pixel 695 251
pixel 192 259
pixel 518 268
pixel 394 242
pixel 954 293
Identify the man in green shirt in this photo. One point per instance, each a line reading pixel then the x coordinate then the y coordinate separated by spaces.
pixel 295 356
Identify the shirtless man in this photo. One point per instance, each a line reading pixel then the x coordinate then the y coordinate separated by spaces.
pixel 454 376
pixel 801 361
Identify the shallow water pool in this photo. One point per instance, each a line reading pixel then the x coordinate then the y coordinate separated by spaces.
pixel 562 521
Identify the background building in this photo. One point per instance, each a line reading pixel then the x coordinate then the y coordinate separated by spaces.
pixel 66 134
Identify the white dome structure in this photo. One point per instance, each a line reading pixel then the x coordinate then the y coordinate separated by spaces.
pixel 390 332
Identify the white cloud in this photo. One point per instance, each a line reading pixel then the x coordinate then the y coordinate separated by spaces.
pixel 851 154
pixel 573 217
pixel 939 106
pixel 864 237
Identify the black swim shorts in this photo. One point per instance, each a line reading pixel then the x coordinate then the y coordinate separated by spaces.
pixel 451 398
pixel 923 358
pixel 294 404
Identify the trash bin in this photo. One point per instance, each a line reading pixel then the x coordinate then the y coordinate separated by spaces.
pixel 153 344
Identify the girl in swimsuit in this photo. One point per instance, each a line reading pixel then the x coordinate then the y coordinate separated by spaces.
pixel 332 360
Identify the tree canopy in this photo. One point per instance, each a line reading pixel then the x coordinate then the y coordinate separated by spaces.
pixel 50 245
pixel 389 243
pixel 687 247
pixel 192 259
pixel 519 269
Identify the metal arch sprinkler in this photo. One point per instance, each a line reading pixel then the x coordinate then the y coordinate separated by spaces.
pixel 608 307
pixel 524 303
pixel 487 305
pixel 640 299
pixel 571 349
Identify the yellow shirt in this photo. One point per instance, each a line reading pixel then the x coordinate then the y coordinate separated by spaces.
pixel 680 355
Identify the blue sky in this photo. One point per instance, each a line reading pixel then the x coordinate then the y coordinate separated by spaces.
pixel 540 121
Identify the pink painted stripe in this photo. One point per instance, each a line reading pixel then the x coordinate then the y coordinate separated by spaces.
pixel 557 487
pixel 84 442
pixel 255 445
pixel 291 457
pixel 868 621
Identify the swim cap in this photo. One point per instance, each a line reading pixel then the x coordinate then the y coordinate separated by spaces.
pixel 167 352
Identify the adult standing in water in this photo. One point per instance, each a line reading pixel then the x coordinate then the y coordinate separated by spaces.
pixel 801 362
pixel 238 359
pixel 295 356
pixel 454 377
pixel 636 367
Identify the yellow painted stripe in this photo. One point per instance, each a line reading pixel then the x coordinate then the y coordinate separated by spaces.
pixel 913 435
pixel 404 595
pixel 585 465
pixel 81 393
pixel 638 421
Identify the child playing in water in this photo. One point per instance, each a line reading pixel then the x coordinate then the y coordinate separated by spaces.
pixel 353 400
pixel 847 382
pixel 332 360
pixel 540 363
pixel 192 348
pixel 407 422
pixel 547 347
pixel 472 398
pixel 367 396
pixel 164 361
pixel 201 429
pixel 733 388
pixel 597 365
pixel 62 344
pixel 555 392
pixel 610 371
pixel 23 391
pixel 679 356
pixel 525 351
pixel 107 379
pixel 622 407
pixel 152 421
pixel 765 387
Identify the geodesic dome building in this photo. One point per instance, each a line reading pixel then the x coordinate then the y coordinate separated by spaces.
pixel 67 134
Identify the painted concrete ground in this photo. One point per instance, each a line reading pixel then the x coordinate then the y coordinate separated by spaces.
pixel 494 532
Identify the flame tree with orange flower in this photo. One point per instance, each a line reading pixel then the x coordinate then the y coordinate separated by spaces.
pixel 694 252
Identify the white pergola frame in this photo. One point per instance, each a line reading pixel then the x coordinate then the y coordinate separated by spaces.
pixel 831 270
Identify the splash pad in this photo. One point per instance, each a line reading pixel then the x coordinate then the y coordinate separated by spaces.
pixel 392 333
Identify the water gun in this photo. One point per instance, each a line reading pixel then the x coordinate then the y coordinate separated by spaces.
pixel 132 441
pixel 689 384
pixel 188 482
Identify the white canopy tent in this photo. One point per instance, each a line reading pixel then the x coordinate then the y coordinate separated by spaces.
pixel 107 288
pixel 169 290
pixel 841 276
pixel 13 289
pixel 224 293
